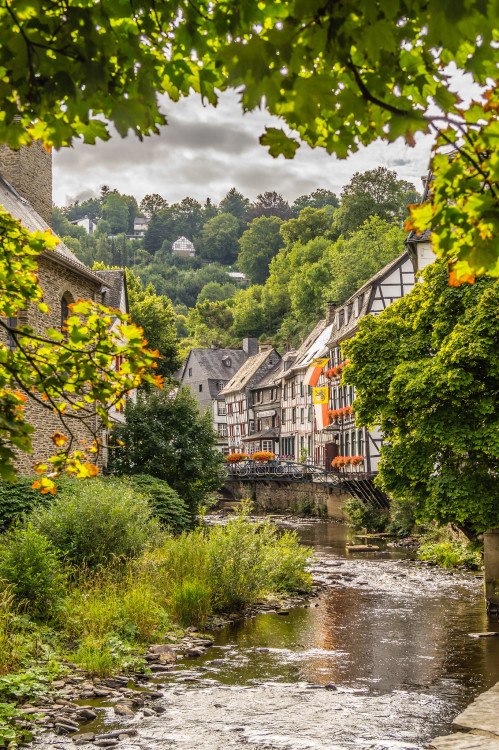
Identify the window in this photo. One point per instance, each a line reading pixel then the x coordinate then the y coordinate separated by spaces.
pixel 301 388
pixel 283 416
pixel 252 425
pixel 200 388
pixel 310 390
pixel 258 425
pixel 275 420
pixel 309 445
pixel 243 429
pixel 229 410
pixel 293 389
pixel 231 430
pixel 293 414
pixel 190 372
pixel 342 445
pixel 222 430
pixel 221 385
pixel 11 339
pixel 227 361
pixel 351 394
pixel 352 442
pixel 222 409
pixel 302 416
pixel 240 407
pixel 66 300
pixel 309 415
pixel 302 444
pixel 267 445
pixel 360 443
pixel 347 444
pixel 334 398
pixel 285 393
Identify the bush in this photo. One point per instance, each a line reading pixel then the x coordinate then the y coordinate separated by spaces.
pixel 367 517
pixel 450 554
pixel 90 521
pixel 402 517
pixel 16 500
pixel 31 564
pixel 167 506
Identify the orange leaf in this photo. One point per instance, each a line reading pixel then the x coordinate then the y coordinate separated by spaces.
pixel 59 439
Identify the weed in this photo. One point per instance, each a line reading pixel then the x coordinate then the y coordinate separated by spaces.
pixel 363 516
pixel 450 554
pixel 190 603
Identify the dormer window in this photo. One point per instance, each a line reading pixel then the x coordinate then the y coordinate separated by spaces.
pixel 227 361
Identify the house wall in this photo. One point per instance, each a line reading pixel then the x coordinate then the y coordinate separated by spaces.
pixel 56 281
pixel 29 171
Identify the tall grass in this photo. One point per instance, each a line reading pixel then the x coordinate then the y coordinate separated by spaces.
pixel 9 651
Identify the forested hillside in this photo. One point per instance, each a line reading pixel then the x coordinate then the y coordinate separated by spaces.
pixel 295 257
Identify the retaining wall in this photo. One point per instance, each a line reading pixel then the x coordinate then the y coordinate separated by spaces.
pixel 282 496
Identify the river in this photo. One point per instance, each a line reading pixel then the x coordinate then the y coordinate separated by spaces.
pixel 383 659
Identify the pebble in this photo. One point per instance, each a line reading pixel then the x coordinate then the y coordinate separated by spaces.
pixel 121 710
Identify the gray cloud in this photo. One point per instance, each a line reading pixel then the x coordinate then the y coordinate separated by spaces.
pixel 204 151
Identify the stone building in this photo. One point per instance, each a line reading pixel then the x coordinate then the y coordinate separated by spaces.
pixel 26 193
pixel 207 372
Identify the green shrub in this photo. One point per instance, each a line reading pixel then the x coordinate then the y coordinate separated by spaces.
pixel 91 521
pixel 166 503
pixel 363 516
pixel 306 506
pixel 190 603
pixel 31 564
pixel 402 517
pixel 450 554
pixel 17 499
pixel 286 561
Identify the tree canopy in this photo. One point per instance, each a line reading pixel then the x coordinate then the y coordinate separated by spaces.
pixel 259 244
pixel 426 371
pixel 166 436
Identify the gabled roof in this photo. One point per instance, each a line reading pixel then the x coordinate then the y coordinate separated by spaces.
pixel 212 365
pixel 248 371
pixel 313 346
pixel 365 291
pixel 21 209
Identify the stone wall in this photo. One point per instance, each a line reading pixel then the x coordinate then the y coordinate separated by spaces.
pixel 29 171
pixel 56 282
pixel 282 496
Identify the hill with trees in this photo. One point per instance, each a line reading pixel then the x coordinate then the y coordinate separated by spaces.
pixel 295 257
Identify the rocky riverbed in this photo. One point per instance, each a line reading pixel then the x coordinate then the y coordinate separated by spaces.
pixel 380 658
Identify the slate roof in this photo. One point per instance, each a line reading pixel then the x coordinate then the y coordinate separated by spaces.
pixel 211 362
pixel 247 371
pixel 21 209
pixel 270 432
pixel 314 346
pixel 115 281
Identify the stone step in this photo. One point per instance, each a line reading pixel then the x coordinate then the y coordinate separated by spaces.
pixel 465 741
pixel 482 714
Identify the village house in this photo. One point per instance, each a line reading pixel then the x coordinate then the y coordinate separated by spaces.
pixel 238 396
pixel 184 248
pixel 26 194
pixel 265 399
pixel 206 372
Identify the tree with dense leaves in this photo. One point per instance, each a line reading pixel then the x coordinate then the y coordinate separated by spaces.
pixel 166 436
pixel 76 210
pixel 311 223
pixel 154 314
pixel 340 75
pixel 318 199
pixel 219 238
pixel 152 204
pixel 259 244
pixel 426 371
pixel 236 204
pixel 270 204
pixel 376 192
pixel 215 292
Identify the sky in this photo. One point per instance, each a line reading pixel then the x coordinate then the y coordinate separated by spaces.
pixel 204 151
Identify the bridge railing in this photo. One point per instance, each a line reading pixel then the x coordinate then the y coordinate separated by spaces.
pixel 282 470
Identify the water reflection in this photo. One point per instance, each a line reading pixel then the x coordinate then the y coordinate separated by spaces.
pixel 367 637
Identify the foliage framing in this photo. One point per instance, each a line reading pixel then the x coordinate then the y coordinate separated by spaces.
pixel 79 373
pixel 340 75
pixel 426 371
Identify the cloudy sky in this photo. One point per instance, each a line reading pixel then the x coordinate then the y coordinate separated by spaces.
pixel 205 151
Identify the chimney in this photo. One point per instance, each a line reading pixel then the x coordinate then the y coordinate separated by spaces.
pixel 29 171
pixel 250 347
pixel 214 345
pixel 330 308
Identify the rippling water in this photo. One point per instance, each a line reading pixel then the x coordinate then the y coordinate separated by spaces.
pixel 390 640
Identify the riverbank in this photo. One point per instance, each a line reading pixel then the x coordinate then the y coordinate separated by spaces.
pixel 381 658
pixel 478 725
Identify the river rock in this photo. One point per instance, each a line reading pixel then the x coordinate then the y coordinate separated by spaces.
pixel 148 712
pixel 82 739
pixel 121 710
pixel 106 743
pixel 161 652
pixel 462 741
pixel 194 652
pixel 88 714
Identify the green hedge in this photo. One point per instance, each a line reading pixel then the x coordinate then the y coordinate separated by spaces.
pixel 17 499
pixel 167 505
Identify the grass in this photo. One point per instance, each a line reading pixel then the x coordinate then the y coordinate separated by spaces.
pixel 451 554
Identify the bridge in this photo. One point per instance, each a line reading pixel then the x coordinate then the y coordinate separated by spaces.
pixel 288 472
